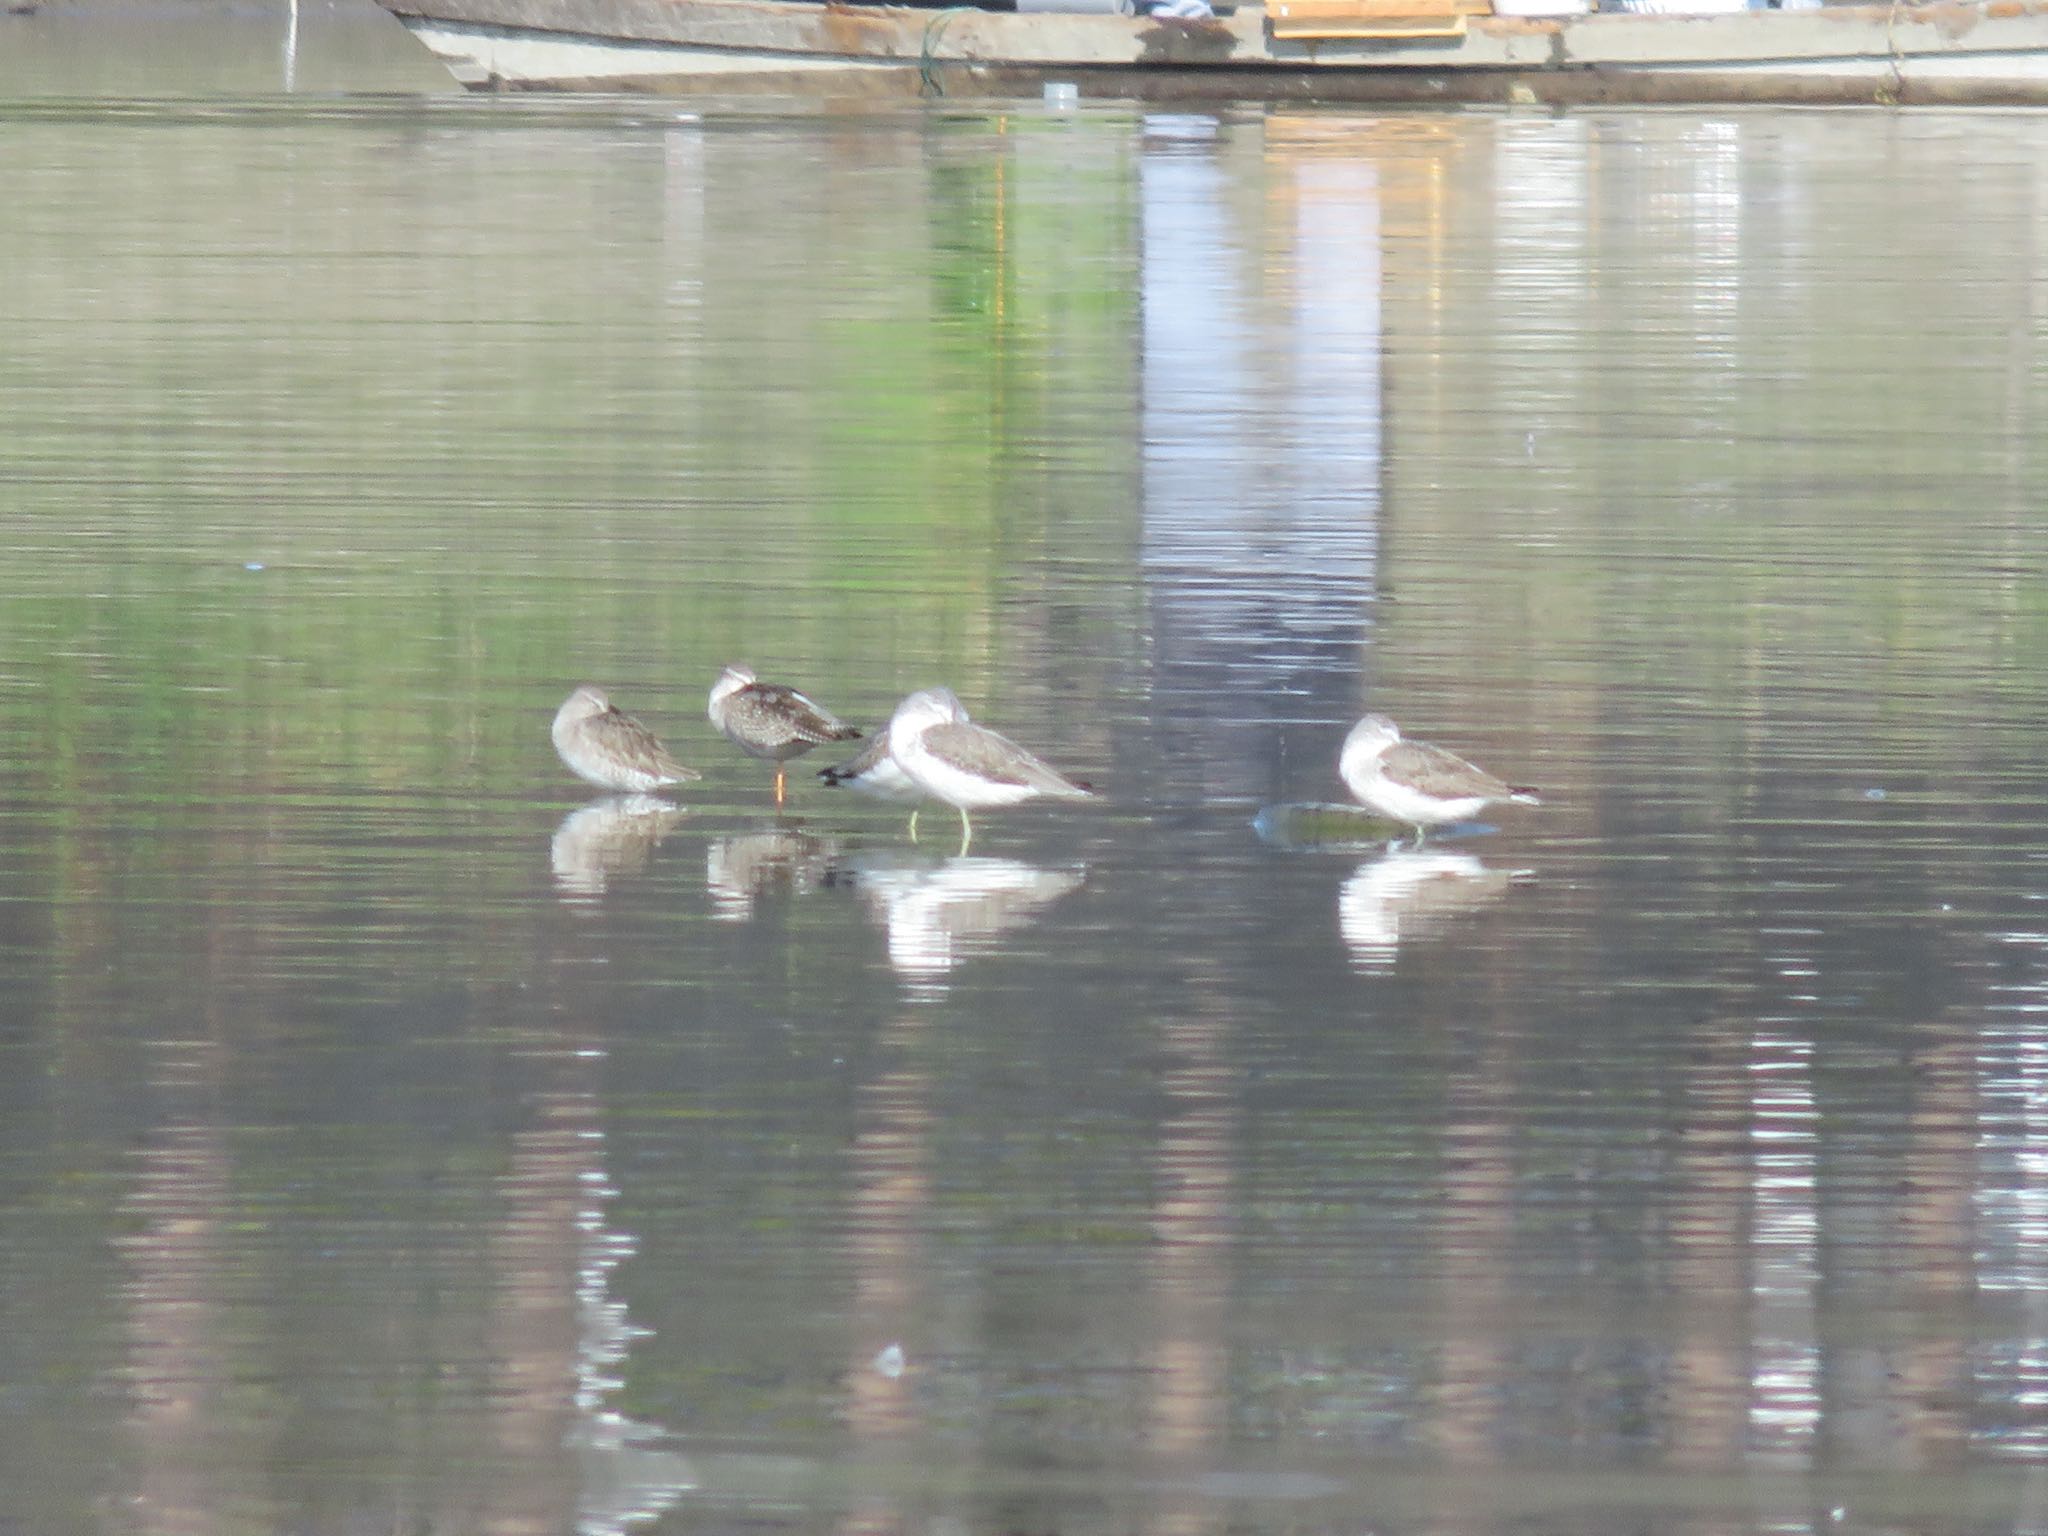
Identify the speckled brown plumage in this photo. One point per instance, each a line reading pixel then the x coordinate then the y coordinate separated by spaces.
pixel 770 720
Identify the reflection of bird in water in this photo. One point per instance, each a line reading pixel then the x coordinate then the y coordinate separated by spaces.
pixel 939 914
pixel 966 765
pixel 613 836
pixel 1415 782
pixel 609 748
pixel 767 720
pixel 739 870
pixel 1412 893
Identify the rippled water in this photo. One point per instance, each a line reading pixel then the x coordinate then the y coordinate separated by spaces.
pixel 398 1137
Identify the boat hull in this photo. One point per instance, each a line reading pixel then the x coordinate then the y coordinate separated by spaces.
pixel 1941 53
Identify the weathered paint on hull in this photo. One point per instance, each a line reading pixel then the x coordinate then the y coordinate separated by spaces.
pixel 1936 54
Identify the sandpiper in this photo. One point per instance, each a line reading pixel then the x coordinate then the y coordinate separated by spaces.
pixel 611 749
pixel 1415 782
pixel 876 773
pixel 770 721
pixel 952 759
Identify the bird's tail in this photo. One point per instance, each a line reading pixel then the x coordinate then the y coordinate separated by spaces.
pixel 1521 794
pixel 1059 787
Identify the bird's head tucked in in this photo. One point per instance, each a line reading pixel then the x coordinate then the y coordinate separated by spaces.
pixel 1368 739
pixel 730 682
pixel 587 702
pixel 922 710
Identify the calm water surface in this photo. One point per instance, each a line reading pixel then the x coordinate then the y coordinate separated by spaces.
pixel 398 1139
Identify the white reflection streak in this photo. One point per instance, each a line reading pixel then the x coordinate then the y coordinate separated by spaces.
pixel 683 218
pixel 1261 468
pixel 604 1333
pixel 1784 1405
pixel 2012 1142
pixel 1541 211
pixel 625 1482
pixel 1197 381
pixel 1710 158
pixel 1336 395
pixel 1544 214
pixel 1205 463
pixel 2012 1204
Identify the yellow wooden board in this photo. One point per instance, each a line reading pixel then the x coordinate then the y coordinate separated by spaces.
pixel 1367 18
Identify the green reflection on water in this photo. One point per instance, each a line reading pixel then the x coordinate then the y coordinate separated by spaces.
pixel 321 1071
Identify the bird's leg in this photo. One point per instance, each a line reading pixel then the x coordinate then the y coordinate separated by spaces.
pixel 913 822
pixel 778 786
pixel 966 833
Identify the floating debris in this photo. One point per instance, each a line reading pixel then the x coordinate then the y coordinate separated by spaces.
pixel 1311 826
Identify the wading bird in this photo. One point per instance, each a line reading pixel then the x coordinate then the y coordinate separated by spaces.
pixel 1415 782
pixel 767 720
pixel 609 748
pixel 966 765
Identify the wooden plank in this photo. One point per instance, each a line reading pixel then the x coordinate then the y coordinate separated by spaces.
pixel 1392 19
pixel 1347 10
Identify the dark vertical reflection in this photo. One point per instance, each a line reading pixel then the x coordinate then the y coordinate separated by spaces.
pixel 180 1286
pixel 1195 1237
pixel 889 1205
pixel 1705 1238
pixel 1473 1259
pixel 1935 1225
pixel 534 1331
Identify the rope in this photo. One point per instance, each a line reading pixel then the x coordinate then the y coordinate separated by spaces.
pixel 927 65
pixel 1888 93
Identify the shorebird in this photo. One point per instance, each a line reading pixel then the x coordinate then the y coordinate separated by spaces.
pixel 966 765
pixel 609 748
pixel 770 721
pixel 874 772
pixel 1415 782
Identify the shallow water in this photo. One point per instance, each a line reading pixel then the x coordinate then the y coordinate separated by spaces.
pixel 398 1137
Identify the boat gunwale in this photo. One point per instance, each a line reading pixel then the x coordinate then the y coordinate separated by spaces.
pixel 1989 51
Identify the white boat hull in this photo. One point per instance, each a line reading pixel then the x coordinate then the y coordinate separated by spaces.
pixel 1936 53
